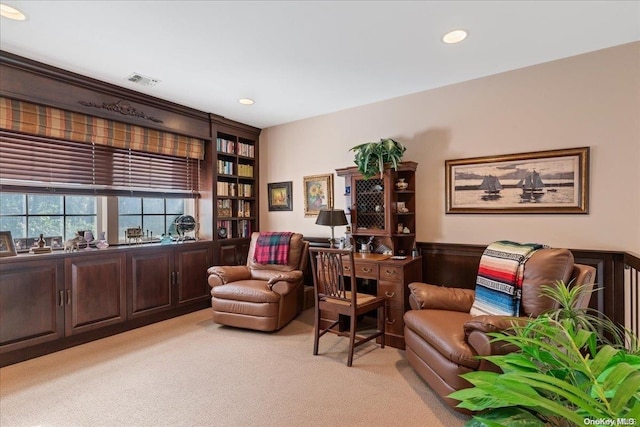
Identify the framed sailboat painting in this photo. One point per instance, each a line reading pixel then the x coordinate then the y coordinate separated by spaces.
pixel 555 181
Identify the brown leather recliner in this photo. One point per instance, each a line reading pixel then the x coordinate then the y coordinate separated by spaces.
pixel 263 297
pixel 443 339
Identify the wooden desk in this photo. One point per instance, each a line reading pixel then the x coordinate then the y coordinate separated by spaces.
pixel 392 277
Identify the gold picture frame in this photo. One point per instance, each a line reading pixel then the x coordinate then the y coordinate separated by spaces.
pixel 551 182
pixel 318 193
pixel 7 246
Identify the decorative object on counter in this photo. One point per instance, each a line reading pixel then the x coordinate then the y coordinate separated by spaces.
pixel 371 157
pixel 7 246
pixel 167 239
pixel 73 245
pixel 133 235
pixel 40 246
pixel 88 236
pixel 331 218
pixel 415 252
pixel 406 230
pixel 222 232
pixel 318 193
pixel 102 241
pixel 401 184
pixel 186 224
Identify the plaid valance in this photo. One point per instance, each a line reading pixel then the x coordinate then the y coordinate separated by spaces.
pixel 33 119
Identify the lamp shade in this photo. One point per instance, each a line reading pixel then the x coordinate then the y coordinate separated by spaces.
pixel 331 217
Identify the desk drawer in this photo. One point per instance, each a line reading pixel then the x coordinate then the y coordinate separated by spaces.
pixel 364 270
pixel 391 273
pixel 394 321
pixel 392 292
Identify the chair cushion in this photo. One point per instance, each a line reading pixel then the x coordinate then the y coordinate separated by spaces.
pixel 246 290
pixel 545 267
pixel 500 276
pixel 296 249
pixel 444 331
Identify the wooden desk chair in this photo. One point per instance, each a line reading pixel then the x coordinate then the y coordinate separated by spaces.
pixel 329 267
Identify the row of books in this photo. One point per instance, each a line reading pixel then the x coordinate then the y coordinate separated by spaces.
pixel 231 147
pixel 246 150
pixel 224 208
pixel 229 189
pixel 244 229
pixel 225 167
pixel 245 170
pixel 225 146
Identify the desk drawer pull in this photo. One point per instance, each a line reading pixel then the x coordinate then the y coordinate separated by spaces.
pixel 389 294
pixel 390 322
pixel 366 270
pixel 346 267
pixel 391 272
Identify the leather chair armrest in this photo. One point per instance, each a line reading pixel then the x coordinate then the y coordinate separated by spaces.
pixel 475 332
pixel 425 296
pixel 221 275
pixel 283 283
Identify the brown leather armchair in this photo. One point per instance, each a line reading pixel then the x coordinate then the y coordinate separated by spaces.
pixel 263 297
pixel 443 340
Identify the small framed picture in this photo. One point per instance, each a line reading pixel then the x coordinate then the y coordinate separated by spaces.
pixel 7 247
pixel 280 196
pixel 318 193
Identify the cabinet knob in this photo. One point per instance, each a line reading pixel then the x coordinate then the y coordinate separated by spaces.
pixel 390 272
pixel 346 267
pixel 389 294
pixel 390 321
pixel 366 270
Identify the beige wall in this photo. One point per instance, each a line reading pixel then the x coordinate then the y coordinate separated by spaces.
pixel 587 100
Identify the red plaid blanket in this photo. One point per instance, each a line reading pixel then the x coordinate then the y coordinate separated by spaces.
pixel 272 248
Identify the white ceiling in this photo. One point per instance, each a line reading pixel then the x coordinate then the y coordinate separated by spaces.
pixel 301 59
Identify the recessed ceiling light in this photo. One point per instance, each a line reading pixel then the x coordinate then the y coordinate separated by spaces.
pixel 246 101
pixel 455 36
pixel 11 13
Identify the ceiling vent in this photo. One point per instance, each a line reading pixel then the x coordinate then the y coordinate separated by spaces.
pixel 143 80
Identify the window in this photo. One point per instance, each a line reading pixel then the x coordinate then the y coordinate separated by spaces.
pixel 156 216
pixel 57 217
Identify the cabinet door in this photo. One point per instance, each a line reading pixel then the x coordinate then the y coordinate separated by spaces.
pixel 150 275
pixel 94 292
pixel 31 303
pixel 370 205
pixel 191 273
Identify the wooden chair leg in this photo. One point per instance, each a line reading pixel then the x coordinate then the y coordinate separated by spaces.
pixel 352 337
pixel 381 324
pixel 316 329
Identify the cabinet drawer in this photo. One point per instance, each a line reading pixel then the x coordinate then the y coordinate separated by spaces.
pixel 391 273
pixel 394 322
pixel 364 270
pixel 392 293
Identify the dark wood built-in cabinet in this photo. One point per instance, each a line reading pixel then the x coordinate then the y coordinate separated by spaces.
pixel 49 302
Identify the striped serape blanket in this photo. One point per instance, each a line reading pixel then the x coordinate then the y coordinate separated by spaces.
pixel 500 275
pixel 272 248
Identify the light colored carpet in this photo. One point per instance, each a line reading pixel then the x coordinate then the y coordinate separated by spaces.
pixel 188 371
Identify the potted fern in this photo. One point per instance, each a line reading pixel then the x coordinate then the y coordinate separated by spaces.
pixel 371 157
pixel 564 373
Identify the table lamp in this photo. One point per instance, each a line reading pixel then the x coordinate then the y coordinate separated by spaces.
pixel 331 217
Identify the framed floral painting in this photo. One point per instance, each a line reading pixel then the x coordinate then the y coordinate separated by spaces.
pixel 318 193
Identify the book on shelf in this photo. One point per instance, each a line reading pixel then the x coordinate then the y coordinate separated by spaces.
pixel 244 209
pixel 226 189
pixel 246 150
pixel 244 228
pixel 224 208
pixel 245 170
pixel 225 146
pixel 225 167
pixel 245 190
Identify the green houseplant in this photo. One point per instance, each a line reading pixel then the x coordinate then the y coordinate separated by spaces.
pixel 371 157
pixel 564 373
